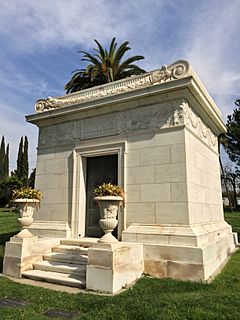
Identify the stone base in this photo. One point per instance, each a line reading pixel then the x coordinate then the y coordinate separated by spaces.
pixel 21 253
pixel 183 252
pixel 112 267
pixel 55 229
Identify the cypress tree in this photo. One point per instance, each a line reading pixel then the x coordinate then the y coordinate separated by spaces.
pixel 6 164
pixel 2 158
pixel 31 180
pixel 25 161
pixel 20 159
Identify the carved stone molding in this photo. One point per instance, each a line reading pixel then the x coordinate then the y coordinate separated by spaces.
pixel 146 118
pixel 172 72
pixel 171 114
pixel 186 115
pixel 168 114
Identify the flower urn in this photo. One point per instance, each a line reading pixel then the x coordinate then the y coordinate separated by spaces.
pixel 26 208
pixel 109 206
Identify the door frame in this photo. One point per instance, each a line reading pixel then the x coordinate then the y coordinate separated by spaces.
pixel 79 174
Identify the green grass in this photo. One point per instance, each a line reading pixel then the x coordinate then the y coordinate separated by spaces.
pixel 148 299
pixel 234 220
pixel 8 227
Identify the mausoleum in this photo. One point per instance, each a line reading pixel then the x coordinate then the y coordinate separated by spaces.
pixel 156 135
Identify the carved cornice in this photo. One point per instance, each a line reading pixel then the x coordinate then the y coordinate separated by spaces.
pixel 172 72
pixel 185 115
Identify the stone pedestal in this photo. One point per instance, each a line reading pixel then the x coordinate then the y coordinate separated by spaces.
pixel 183 252
pixel 21 253
pixel 112 267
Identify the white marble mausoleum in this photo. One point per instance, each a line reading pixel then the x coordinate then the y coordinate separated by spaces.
pixel 157 136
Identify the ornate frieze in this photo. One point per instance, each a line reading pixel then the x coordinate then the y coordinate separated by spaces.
pixel 170 114
pixel 145 118
pixel 148 118
pixel 172 72
pixel 60 133
pixel 185 114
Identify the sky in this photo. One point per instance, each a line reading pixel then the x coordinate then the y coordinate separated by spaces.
pixel 39 40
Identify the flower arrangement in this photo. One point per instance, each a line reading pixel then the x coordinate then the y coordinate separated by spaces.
pixel 109 189
pixel 27 193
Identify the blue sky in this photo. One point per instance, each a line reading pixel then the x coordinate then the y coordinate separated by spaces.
pixel 40 39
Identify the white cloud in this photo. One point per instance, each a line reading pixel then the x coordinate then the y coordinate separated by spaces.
pixel 13 126
pixel 39 24
pixel 211 48
pixel 13 79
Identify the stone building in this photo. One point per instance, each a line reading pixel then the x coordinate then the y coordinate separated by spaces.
pixel 156 135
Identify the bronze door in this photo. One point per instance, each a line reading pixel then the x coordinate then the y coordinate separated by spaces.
pixel 99 169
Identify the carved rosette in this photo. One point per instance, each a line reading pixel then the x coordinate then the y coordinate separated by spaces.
pixel 174 71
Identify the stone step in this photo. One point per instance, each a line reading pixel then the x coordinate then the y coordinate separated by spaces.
pixel 55 277
pixel 70 249
pixel 53 266
pixel 74 258
pixel 84 242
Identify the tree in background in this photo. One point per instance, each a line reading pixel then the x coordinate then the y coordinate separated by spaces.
pixel 7 186
pixel 25 161
pixel 31 180
pixel 232 178
pixel 232 145
pixel 4 160
pixel 22 161
pixel 18 171
pixel 105 66
pixel 19 177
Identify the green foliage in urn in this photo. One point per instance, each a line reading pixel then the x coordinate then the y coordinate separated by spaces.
pixel 27 193
pixel 109 189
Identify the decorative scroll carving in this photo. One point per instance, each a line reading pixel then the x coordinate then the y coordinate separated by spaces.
pixel 194 121
pixel 174 71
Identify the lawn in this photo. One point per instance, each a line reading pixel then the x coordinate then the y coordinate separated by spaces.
pixel 8 227
pixel 234 220
pixel 148 299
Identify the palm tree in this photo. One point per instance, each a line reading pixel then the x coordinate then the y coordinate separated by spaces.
pixel 105 66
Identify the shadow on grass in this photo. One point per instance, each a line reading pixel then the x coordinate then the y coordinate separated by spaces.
pixel 3 239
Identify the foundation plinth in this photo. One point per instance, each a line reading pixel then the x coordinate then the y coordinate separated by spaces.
pixel 112 267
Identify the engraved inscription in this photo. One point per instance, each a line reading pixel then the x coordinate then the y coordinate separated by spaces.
pixel 99 126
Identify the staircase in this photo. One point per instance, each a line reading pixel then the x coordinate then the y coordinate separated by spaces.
pixel 65 265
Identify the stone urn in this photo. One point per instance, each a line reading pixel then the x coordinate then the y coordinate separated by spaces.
pixel 109 206
pixel 26 208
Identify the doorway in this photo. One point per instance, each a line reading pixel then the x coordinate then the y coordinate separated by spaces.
pixel 99 169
